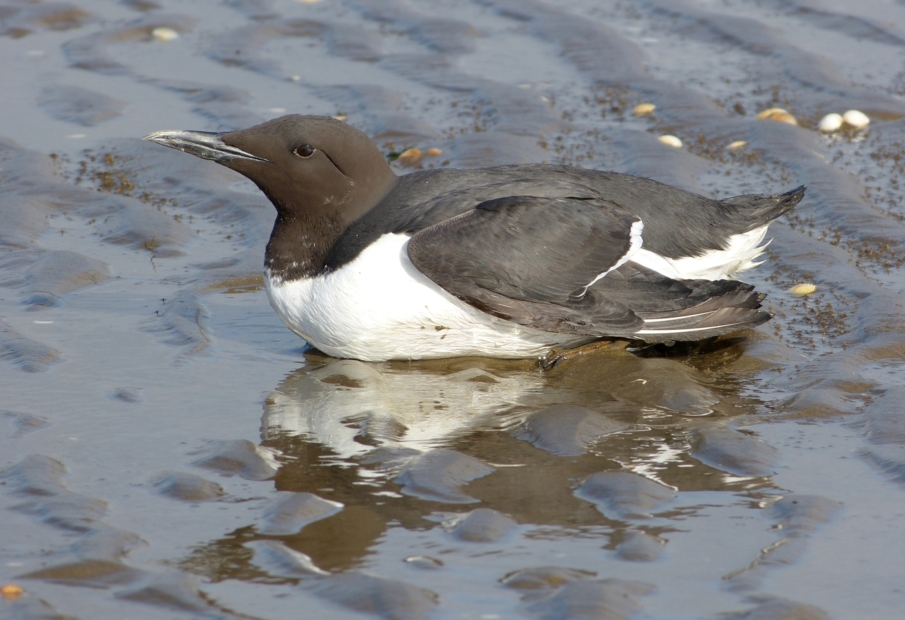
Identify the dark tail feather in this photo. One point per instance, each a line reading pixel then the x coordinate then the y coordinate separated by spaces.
pixel 735 310
pixel 716 323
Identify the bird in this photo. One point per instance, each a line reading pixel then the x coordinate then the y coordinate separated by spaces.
pixel 510 261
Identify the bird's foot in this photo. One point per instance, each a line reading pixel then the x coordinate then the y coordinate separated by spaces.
pixel 555 356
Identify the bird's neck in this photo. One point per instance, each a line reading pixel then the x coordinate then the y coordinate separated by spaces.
pixel 299 245
pixel 303 238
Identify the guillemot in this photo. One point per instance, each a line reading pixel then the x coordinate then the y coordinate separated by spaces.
pixel 506 262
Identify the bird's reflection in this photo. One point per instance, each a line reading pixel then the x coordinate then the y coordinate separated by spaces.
pixel 350 407
pixel 401 443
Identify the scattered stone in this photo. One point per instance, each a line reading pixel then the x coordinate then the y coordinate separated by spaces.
pixel 410 157
pixel 11 591
pixel 643 109
pixel 856 119
pixel 777 114
pixel 803 290
pixel 830 122
pixel 670 140
pixel 164 34
pixel 734 146
pixel 433 152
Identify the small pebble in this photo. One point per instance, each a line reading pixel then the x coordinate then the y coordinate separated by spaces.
pixel 671 141
pixel 295 78
pixel 736 145
pixel 642 109
pixel 830 122
pixel 341 117
pixel 410 157
pixel 777 114
pixel 433 152
pixel 164 34
pixel 11 591
pixel 803 290
pixel 856 119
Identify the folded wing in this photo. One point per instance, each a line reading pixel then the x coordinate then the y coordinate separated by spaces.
pixel 564 265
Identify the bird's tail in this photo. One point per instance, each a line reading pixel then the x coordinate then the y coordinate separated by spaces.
pixel 735 309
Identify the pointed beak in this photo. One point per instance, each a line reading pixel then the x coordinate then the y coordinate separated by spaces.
pixel 203 144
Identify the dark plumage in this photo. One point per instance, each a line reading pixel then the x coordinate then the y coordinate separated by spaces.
pixel 554 249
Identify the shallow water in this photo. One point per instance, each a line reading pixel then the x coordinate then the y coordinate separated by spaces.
pixel 169 449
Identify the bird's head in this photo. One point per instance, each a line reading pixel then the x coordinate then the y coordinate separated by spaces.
pixel 308 166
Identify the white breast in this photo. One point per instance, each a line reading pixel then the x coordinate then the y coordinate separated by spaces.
pixel 379 307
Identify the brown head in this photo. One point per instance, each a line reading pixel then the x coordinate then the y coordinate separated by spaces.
pixel 308 166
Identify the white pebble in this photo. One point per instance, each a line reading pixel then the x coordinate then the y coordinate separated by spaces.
pixel 803 290
pixel 777 114
pixel 736 145
pixel 164 34
pixel 830 122
pixel 856 119
pixel 643 109
pixel 671 141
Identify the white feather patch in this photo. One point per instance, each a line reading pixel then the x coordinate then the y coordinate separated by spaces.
pixel 380 307
pixel 739 255
pixel 634 247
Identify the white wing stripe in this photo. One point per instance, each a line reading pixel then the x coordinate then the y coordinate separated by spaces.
pixel 690 329
pixel 739 255
pixel 678 318
pixel 634 247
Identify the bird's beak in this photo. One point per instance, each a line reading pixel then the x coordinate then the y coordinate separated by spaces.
pixel 203 144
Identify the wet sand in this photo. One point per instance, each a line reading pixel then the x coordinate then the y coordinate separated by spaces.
pixel 169 449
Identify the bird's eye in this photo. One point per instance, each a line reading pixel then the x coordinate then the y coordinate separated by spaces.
pixel 304 151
